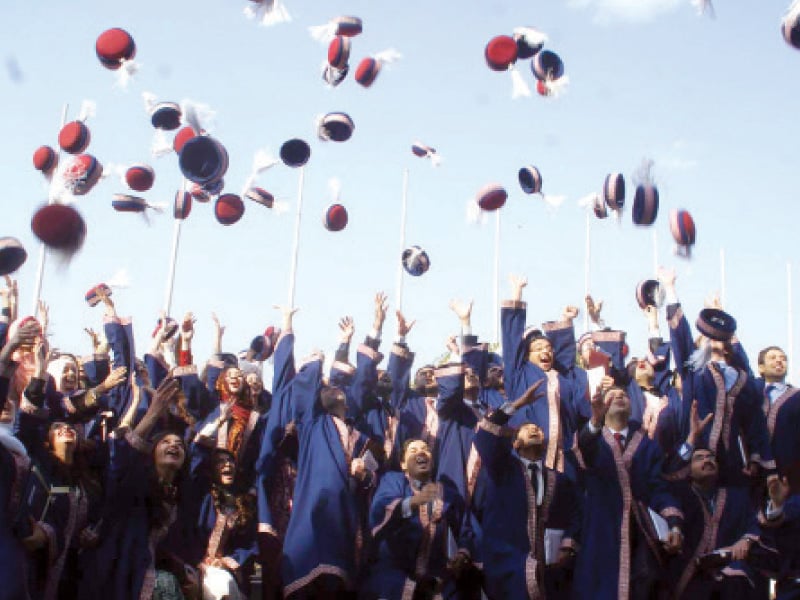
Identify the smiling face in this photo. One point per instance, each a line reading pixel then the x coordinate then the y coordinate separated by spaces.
pixel 540 353
pixel 772 365
pixel 529 436
pixel 418 461
pixel 169 452
pixel 254 383
pixel 69 377
pixel 234 380
pixel 471 381
pixel 63 436
pixel 425 381
pixel 642 371
pixel 224 469
pixel 587 347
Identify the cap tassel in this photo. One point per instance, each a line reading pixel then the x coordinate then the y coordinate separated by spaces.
pixel 150 101
pixel 267 12
pixel 127 69
pixel 588 200
pixel 388 56
pixel 553 201
pixel 262 161
pixel 519 87
pixel 335 188
pixel 793 11
pixel 280 207
pixel 474 213
pixel 88 110
pixel 704 7
pixel 119 279
pixel 323 33
pixel 436 159
pixel 556 87
pixel 195 113
pixel 160 146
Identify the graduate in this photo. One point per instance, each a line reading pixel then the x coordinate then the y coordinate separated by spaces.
pixel 780 524
pixel 331 475
pixel 413 517
pixel 528 356
pixel 621 555
pixel 716 374
pixel 144 544
pixel 14 469
pixel 520 501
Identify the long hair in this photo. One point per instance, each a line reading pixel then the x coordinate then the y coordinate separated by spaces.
pixel 159 496
pixel 244 502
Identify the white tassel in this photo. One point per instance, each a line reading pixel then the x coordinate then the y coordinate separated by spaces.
pixel 160 146
pixel 262 161
pixel 150 100
pixel 335 188
pixel 532 36
pixel 519 87
pixel 119 279
pixel 388 56
pixel 436 160
pixel 323 33
pixel 280 207
pixel 553 201
pixel 158 207
pixel 88 110
pixel 126 71
pixel 588 200
pixel 793 11
pixel 644 174
pixel 475 214
pixel 274 13
pixel 556 87
pixel 198 116
pixel 704 7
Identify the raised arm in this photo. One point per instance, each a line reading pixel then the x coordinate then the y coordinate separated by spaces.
pixel 512 325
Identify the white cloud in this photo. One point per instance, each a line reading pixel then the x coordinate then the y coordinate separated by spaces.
pixel 635 11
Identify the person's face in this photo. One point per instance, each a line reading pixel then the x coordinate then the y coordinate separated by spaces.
pixel 644 370
pixel 494 377
pixel 619 403
pixel 703 466
pixel 254 383
pixel 69 377
pixel 720 349
pixel 774 365
pixel 587 347
pixel 425 379
pixel 169 451
pixel 540 353
pixel 234 380
pixel 63 436
pixel 418 461
pixel 224 469
pixel 529 435
pixel 471 381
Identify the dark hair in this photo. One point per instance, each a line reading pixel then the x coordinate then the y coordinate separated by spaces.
pixel 763 354
pixel 329 395
pixel 243 500
pixel 80 471
pixel 158 494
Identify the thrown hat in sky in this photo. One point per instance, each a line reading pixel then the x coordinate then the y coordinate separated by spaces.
pixel 529 41
pixel 650 293
pixel 12 255
pixel 203 160
pixel 339 52
pixel 415 261
pixel 345 25
pixel 682 227
pixel 182 205
pixel 335 217
pixel 368 69
pixel 82 173
pixel 336 127
pixel 530 180
pixel 614 191
pixel 491 197
pixel 228 209
pixel 645 204
pixel 60 227
pixel 140 177
pixel 260 196
pixel 295 152
pixel 45 159
pixel 790 26
pixel 116 49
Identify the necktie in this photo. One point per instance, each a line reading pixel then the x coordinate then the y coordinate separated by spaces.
pixel 534 470
pixel 620 439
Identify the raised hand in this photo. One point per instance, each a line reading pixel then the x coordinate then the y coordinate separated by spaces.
pixel 452 346
pixel 166 395
pixel 667 277
pixel 288 315
pixel 428 493
pixel 518 283
pixel 463 310
pixel 347 328
pixel 381 305
pixel 570 312
pixel 593 308
pixel 403 326
pixel 187 326
pixel 696 424
pixel 599 404
pixel 43 316
pixel 113 379
pixel 529 396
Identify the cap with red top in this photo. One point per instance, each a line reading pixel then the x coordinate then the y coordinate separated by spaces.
pixel 60 227
pixel 45 159
pixel 94 295
pixel 335 218
pixel 113 47
pixel 368 69
pixel 140 177
pixel 491 197
pixel 228 209
pixel 339 52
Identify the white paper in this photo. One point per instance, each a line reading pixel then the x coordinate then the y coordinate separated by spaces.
pixel 660 525
pixel 552 544
pixel 595 376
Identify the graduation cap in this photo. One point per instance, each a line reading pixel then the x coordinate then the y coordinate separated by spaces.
pixel 183 205
pixel 295 152
pixel 790 26
pixel 548 68
pixel 415 261
pixel 529 41
pixel 335 217
pixel 339 52
pixel 228 209
pixel 333 76
pixel 214 188
pixel 530 180
pixel 491 197
pixel 645 204
pixel 12 255
pixel 347 26
pixel 133 204
pixel 614 191
pixel 114 47
pixel 82 173
pixel 184 135
pixel 336 127
pixel 681 225
pixel 92 297
pixel 262 346
pixel 74 137
pixel 716 324
pixel 368 69
pixel 501 53
pixel 170 326
pixel 599 206
pixel 140 177
pixel 203 160
pixel 649 293
pixel 45 159
pixel 60 227
pixel 166 116
pixel 261 196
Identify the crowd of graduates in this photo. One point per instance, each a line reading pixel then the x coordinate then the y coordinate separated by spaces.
pixel 557 466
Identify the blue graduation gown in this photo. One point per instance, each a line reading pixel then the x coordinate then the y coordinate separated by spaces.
pixel 323 534
pixel 732 519
pixel 409 550
pixel 738 414
pixel 783 534
pixel 513 526
pixel 13 560
pixel 555 414
pixel 783 424
pixel 620 486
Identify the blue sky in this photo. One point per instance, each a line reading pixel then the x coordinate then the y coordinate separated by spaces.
pixel 710 101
